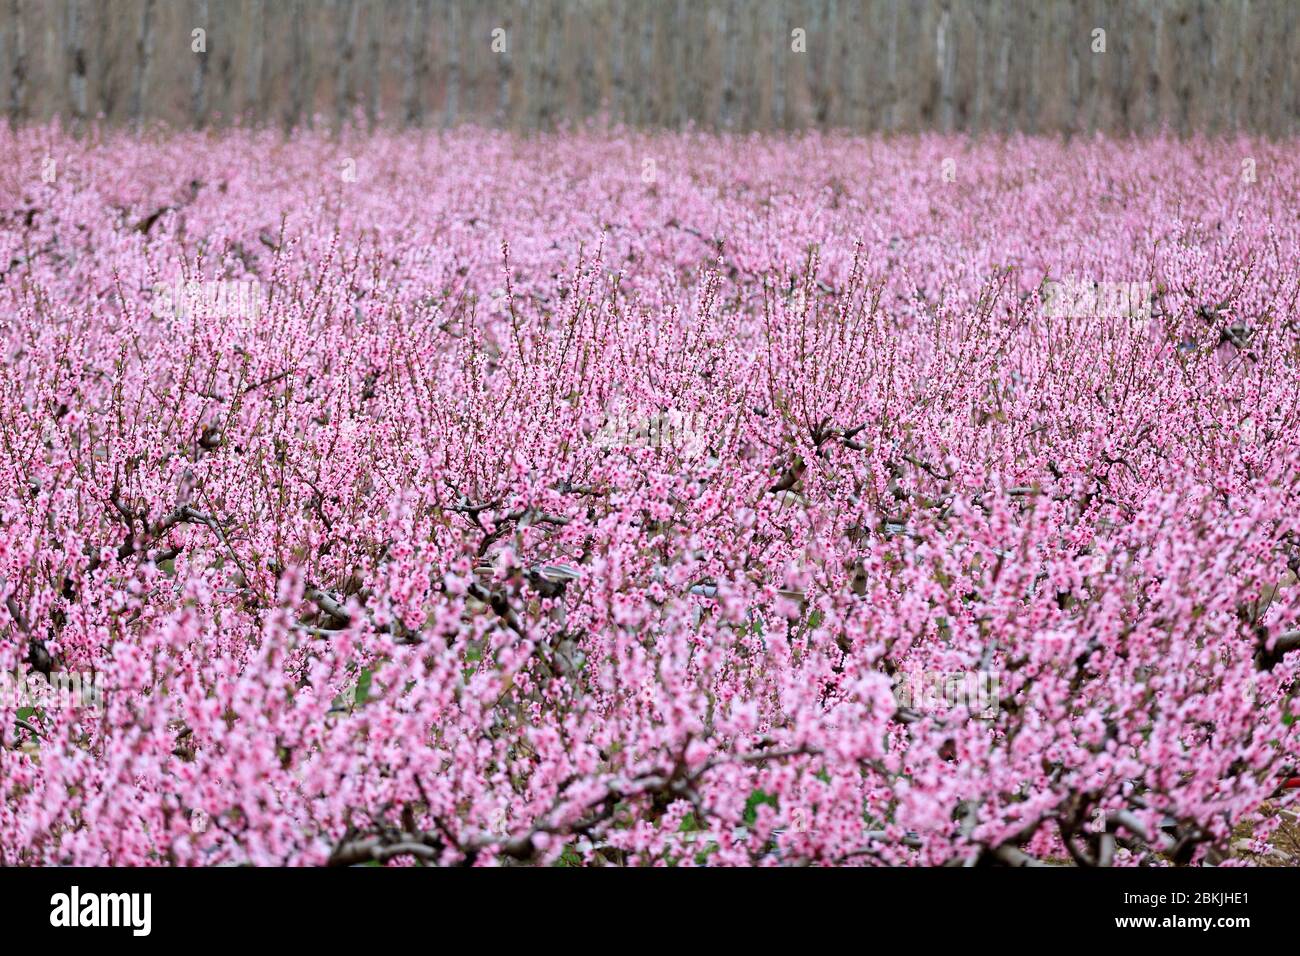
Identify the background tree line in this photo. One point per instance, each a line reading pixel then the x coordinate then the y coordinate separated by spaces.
pixel 867 65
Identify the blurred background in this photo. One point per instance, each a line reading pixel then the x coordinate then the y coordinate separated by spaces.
pixel 1072 66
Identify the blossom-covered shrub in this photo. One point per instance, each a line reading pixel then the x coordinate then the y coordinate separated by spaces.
pixel 646 499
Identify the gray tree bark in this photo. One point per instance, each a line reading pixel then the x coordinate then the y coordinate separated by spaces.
pixel 18 66
pixel 1033 86
pixel 1002 74
pixel 976 65
pixel 824 102
pixel 143 54
pixel 551 105
pixel 680 35
pixel 372 67
pixel 891 65
pixel 345 49
pixel 298 66
pixel 417 42
pixel 981 14
pixel 731 33
pixel 75 53
pixel 945 65
pixel 1209 63
pixel 505 72
pixel 1239 89
pixel 253 75
pixel 199 88
pixel 649 108
pixel 1155 108
pixel 105 58
pixel 780 40
pixel 451 43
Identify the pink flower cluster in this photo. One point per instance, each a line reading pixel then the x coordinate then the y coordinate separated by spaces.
pixel 598 497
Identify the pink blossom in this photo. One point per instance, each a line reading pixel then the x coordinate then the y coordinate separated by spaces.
pixel 543 514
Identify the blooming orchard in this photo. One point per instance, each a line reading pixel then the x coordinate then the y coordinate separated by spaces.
pixel 499 502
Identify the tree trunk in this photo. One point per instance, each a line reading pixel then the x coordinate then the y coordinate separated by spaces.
pixel 1185 71
pixel 226 76
pixel 18 69
pixel 417 41
pixel 981 48
pixel 1122 92
pixel 534 32
pixel 617 67
pixel 823 100
pixel 199 89
pixel 589 92
pixel 647 111
pixel 505 72
pixel 844 89
pixel 891 61
pixel 143 54
pixel 105 59
pixel 679 36
pixel 76 61
pixel 1033 85
pixel 1076 76
pixel 730 31
pixel 780 39
pixel 1001 86
pixel 1239 64
pixel 15 75
pixel 451 31
pixel 1289 115
pixel 256 27
pixel 297 66
pixel 551 86
pixel 1154 106
pixel 303 29
pixel 345 56
pixel 945 62
pixel 372 67
pixel 1207 117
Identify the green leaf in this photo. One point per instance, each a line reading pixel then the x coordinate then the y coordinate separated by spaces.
pixel 570 857
pixel 362 695
pixel 756 799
